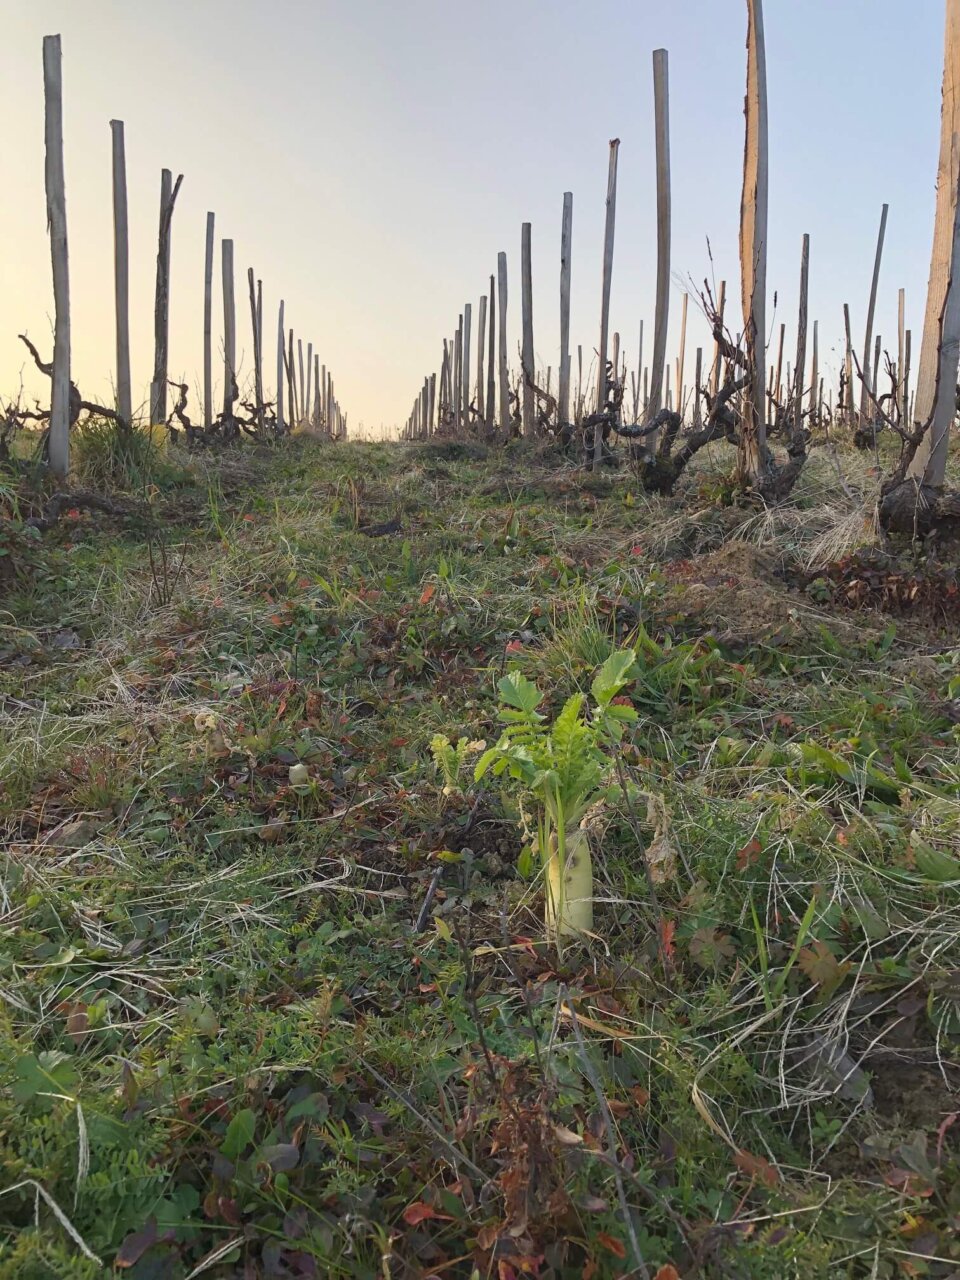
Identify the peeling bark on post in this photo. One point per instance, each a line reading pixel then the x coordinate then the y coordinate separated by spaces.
pixel 481 341
pixel 526 301
pixel 867 412
pixel 208 324
pixel 661 101
pixel 752 452
pixel 491 408
pixel 280 337
pixel 229 330
pixel 800 367
pixel 566 264
pixel 121 274
pixel 58 440
pixel 465 369
pixel 257 355
pixel 161 308
pixel 935 395
pixel 502 326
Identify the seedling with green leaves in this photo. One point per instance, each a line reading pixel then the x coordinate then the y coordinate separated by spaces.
pixel 559 771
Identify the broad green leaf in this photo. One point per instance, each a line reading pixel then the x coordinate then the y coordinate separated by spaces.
pixel 239 1134
pixel 517 691
pixel 613 675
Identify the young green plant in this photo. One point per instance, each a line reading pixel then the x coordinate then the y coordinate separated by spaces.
pixel 559 771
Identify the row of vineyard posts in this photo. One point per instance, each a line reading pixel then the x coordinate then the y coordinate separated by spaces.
pixel 741 391
pixel 304 397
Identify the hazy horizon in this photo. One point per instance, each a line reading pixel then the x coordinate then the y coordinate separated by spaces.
pixel 369 161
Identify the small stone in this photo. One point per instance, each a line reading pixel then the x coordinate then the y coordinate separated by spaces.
pixel 299 775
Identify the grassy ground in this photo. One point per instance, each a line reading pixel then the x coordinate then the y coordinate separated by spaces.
pixel 225 1047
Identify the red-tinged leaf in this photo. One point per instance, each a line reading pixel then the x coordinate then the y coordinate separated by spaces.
pixel 911 1184
pixel 667 1272
pixel 73 514
pixel 505 1271
pixel 515 646
pixel 757 1168
pixel 947 1122
pixel 425 988
pixel 611 1244
pixel 749 854
pixel 640 1095
pixel 821 966
pixel 276 619
pixel 637 550
pixel 138 1242
pixel 421 1212
pixel 247 519
pixel 667 929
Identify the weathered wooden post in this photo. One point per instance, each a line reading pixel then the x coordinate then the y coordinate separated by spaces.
pixel 681 359
pixel 502 326
pixel 121 274
pixel 229 331
pixel 465 368
pixel 698 373
pixel 458 374
pixel 777 379
pixel 637 381
pixel 431 407
pixel 848 366
pixel 257 354
pixel 661 106
pixel 306 395
pixel 566 264
pixel 901 332
pixel 491 414
pixel 324 420
pixel 161 308
pixel 800 367
pixel 815 377
pixel 717 356
pixel 301 401
pixel 606 281
pixel 935 397
pixel 481 339
pixel 291 383
pixel 867 413
pixel 208 324
pixel 58 440
pixel 752 451
pixel 526 307
pixel 280 337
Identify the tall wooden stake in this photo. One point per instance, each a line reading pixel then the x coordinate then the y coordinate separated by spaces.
pixel 867 412
pixel 661 106
pixel 502 327
pixel 208 324
pixel 257 354
pixel 526 301
pixel 465 370
pixel 491 415
pixel 280 337
pixel 121 274
pixel 161 307
pixel 229 330
pixel 752 453
pixel 566 264
pixel 800 367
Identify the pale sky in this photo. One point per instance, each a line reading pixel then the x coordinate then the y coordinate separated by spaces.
pixel 370 157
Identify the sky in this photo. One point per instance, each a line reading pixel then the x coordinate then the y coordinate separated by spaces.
pixel 370 158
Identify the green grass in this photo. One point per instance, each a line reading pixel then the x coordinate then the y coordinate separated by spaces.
pixel 219 1030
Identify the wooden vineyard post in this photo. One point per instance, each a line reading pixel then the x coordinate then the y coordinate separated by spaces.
pixel 936 372
pixel 301 402
pixel 121 274
pixel 458 374
pixel 661 100
pixel 848 367
pixel 465 367
pixel 307 402
pixel 491 415
pixel 280 337
pixel 208 325
pixel 698 374
pixel 229 331
pixel 324 420
pixel 257 354
pixel 683 351
pixel 502 327
pixel 58 441
pixel 870 383
pixel 481 338
pixel 566 264
pixel 431 407
pixel 815 379
pixel 777 378
pixel 638 380
pixel 901 341
pixel 606 281
pixel 526 300
pixel 717 358
pixel 800 367
pixel 315 411
pixel 291 383
pixel 752 451
pixel 161 308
